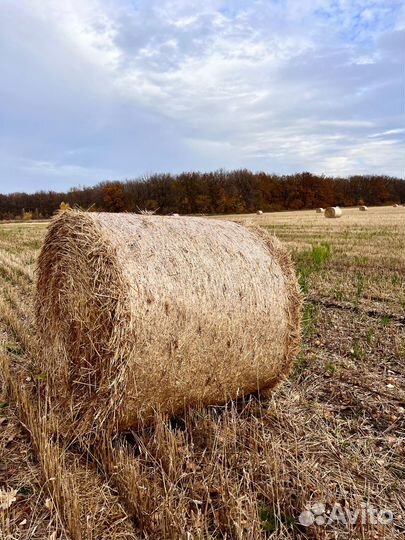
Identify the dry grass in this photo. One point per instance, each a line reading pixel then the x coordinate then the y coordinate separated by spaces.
pixel 334 432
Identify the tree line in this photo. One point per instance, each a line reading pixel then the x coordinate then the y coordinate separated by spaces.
pixel 218 192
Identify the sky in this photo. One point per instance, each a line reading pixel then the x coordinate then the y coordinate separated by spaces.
pixel 92 90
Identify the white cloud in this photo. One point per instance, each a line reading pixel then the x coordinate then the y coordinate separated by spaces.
pixel 176 84
pixel 61 170
pixel 346 123
pixel 396 131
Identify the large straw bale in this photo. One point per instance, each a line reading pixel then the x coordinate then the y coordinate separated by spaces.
pixel 363 208
pixel 320 210
pixel 333 212
pixel 137 313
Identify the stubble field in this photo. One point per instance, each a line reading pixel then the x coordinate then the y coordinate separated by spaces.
pixel 332 434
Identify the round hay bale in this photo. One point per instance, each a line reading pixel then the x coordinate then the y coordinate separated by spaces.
pixel 259 212
pixel 175 214
pixel 320 210
pixel 396 205
pixel 333 212
pixel 142 313
pixel 363 208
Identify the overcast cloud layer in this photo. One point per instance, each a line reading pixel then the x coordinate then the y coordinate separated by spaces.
pixel 103 89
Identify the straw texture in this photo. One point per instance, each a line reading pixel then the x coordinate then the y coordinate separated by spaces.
pixel 139 313
pixel 333 212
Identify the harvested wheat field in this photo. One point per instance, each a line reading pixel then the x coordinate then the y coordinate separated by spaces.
pixel 330 438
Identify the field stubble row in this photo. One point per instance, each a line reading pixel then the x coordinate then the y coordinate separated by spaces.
pixel 333 432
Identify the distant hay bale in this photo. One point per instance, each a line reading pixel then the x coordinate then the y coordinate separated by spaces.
pixel 396 205
pixel 259 212
pixel 333 212
pixel 320 210
pixel 137 313
pixel 363 208
pixel 175 214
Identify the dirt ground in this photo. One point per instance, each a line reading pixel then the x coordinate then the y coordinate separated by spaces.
pixel 320 458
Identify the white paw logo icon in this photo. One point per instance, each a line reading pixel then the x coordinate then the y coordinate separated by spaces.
pixel 315 513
